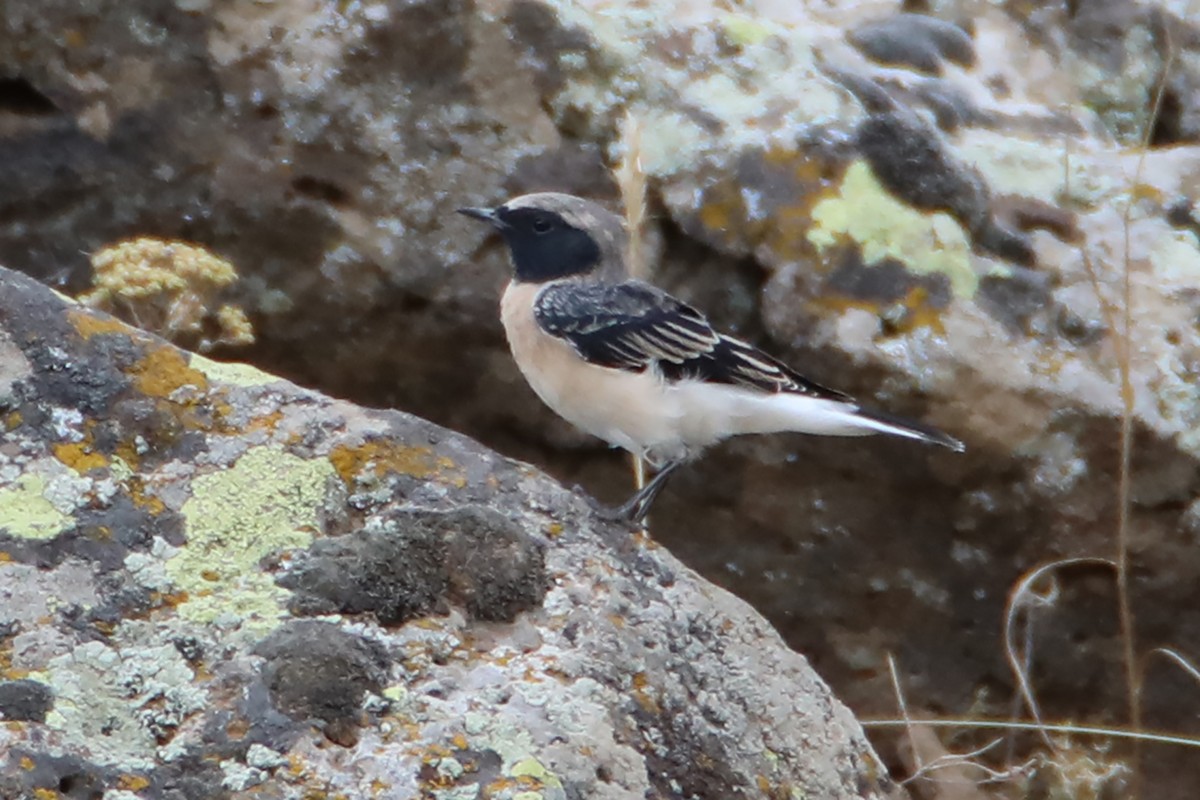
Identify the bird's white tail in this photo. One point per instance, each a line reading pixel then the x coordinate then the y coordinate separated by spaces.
pixel 796 412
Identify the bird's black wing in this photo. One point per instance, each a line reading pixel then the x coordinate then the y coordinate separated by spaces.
pixel 633 326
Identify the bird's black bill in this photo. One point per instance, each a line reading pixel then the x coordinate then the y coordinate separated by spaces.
pixel 485 214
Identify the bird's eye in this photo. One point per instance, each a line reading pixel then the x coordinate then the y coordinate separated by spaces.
pixel 541 225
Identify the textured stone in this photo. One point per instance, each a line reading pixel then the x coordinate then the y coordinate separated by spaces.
pixel 916 236
pixel 478 625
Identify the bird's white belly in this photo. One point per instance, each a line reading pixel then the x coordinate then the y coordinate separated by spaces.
pixel 644 414
pixel 633 410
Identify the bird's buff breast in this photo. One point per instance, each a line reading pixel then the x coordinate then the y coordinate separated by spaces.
pixel 625 409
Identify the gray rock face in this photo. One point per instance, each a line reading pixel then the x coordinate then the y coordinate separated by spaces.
pixel 902 206
pixel 212 581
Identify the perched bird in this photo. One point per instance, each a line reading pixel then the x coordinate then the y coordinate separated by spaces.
pixel 629 363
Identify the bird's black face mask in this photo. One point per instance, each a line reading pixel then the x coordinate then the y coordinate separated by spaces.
pixel 544 246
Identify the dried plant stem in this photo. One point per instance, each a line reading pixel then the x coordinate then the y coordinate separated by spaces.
pixel 1023 596
pixel 631 179
pixel 1128 398
pixel 1033 725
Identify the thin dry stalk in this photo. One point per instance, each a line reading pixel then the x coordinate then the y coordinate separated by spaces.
pixel 912 740
pixel 956 761
pixel 631 179
pixel 1034 725
pixel 1179 661
pixel 1128 633
pixel 1024 597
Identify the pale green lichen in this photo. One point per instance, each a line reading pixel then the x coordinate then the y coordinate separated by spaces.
pixel 267 502
pixel 773 85
pixel 883 227
pixel 26 511
pixel 744 30
pixel 233 373
pixel 113 704
pixel 1032 168
pixel 532 768
pixel 1176 260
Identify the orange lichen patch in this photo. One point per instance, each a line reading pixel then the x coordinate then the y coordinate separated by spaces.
pixel 132 783
pixel 554 530
pixel 80 456
pixel 350 461
pixel 459 741
pixel 41 793
pixel 237 729
pixel 267 422
pixel 643 697
pixel 101 533
pixel 27 763
pixel 13 421
pixel 163 370
pixel 731 211
pixel 916 309
pixel 1146 191
pixel 500 785
pixel 89 325
pixel 378 787
pixel 5 556
pixel 167 599
pixel 137 493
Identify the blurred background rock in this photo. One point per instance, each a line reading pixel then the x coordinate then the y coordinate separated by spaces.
pixel 897 198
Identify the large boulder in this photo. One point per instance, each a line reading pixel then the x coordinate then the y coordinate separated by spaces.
pixel 902 199
pixel 212 580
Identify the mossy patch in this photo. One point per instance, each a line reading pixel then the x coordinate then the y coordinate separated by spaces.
pixel 866 214
pixel 26 512
pixel 268 501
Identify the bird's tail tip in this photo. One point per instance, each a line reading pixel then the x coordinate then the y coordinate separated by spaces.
pixel 898 426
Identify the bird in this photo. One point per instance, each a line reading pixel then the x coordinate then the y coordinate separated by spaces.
pixel 627 362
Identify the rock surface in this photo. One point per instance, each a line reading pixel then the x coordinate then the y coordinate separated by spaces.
pixel 903 205
pixel 212 580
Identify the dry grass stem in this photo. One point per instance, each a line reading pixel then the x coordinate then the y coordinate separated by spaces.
pixel 631 179
pixel 1024 598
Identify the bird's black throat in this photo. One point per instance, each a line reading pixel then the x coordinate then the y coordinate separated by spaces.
pixel 544 246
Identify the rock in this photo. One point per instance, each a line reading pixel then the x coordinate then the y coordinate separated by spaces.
pixel 909 207
pixel 478 625
pixel 25 701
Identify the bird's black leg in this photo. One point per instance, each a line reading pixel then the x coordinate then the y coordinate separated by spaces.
pixel 635 508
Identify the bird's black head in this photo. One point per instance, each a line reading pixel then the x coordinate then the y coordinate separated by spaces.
pixel 549 236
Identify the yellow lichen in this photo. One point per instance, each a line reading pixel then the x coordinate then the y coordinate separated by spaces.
pixel 169 288
pixel 232 373
pixel 26 513
pixel 163 370
pixel 267 502
pixel 864 213
pixel 79 456
pixel 132 783
pixel 90 324
pixel 916 307
pixel 381 458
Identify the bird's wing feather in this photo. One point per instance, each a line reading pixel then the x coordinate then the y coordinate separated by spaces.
pixel 633 326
